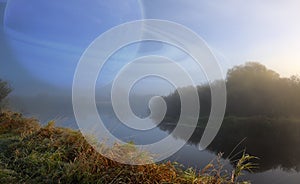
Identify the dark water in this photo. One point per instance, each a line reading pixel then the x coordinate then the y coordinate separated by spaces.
pixel 275 142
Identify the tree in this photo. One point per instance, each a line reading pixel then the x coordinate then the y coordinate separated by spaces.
pixel 252 90
pixel 4 91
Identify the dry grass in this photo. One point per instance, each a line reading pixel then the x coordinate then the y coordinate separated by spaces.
pixel 31 153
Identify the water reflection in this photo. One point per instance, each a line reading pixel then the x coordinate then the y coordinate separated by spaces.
pixel 275 141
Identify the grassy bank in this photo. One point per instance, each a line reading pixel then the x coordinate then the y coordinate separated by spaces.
pixel 31 153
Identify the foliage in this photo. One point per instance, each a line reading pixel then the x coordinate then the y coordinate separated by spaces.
pixel 255 90
pixel 252 90
pixel 30 153
pixel 4 91
pixel 243 164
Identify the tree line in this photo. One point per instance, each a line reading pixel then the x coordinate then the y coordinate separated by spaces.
pixel 252 90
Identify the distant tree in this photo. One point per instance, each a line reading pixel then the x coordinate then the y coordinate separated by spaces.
pixel 255 90
pixel 4 91
pixel 252 90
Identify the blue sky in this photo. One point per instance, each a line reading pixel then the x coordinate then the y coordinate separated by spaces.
pixel 47 38
pixel 42 40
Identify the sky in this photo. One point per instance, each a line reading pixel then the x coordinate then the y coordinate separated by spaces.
pixel 259 30
pixel 42 40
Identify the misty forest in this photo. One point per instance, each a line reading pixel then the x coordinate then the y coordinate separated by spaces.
pixel 262 116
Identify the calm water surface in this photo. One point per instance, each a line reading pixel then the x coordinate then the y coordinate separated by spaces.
pixel 276 144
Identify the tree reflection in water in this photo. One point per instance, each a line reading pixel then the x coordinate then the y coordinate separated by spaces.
pixel 275 141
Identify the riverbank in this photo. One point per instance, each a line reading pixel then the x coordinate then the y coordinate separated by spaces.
pixel 31 153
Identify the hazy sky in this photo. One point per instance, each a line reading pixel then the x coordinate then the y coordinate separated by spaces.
pixel 42 40
pixel 267 31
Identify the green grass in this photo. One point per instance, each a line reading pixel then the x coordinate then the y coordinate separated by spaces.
pixel 31 153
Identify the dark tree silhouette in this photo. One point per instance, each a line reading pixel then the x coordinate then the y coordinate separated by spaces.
pixel 263 112
pixel 4 91
pixel 252 90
